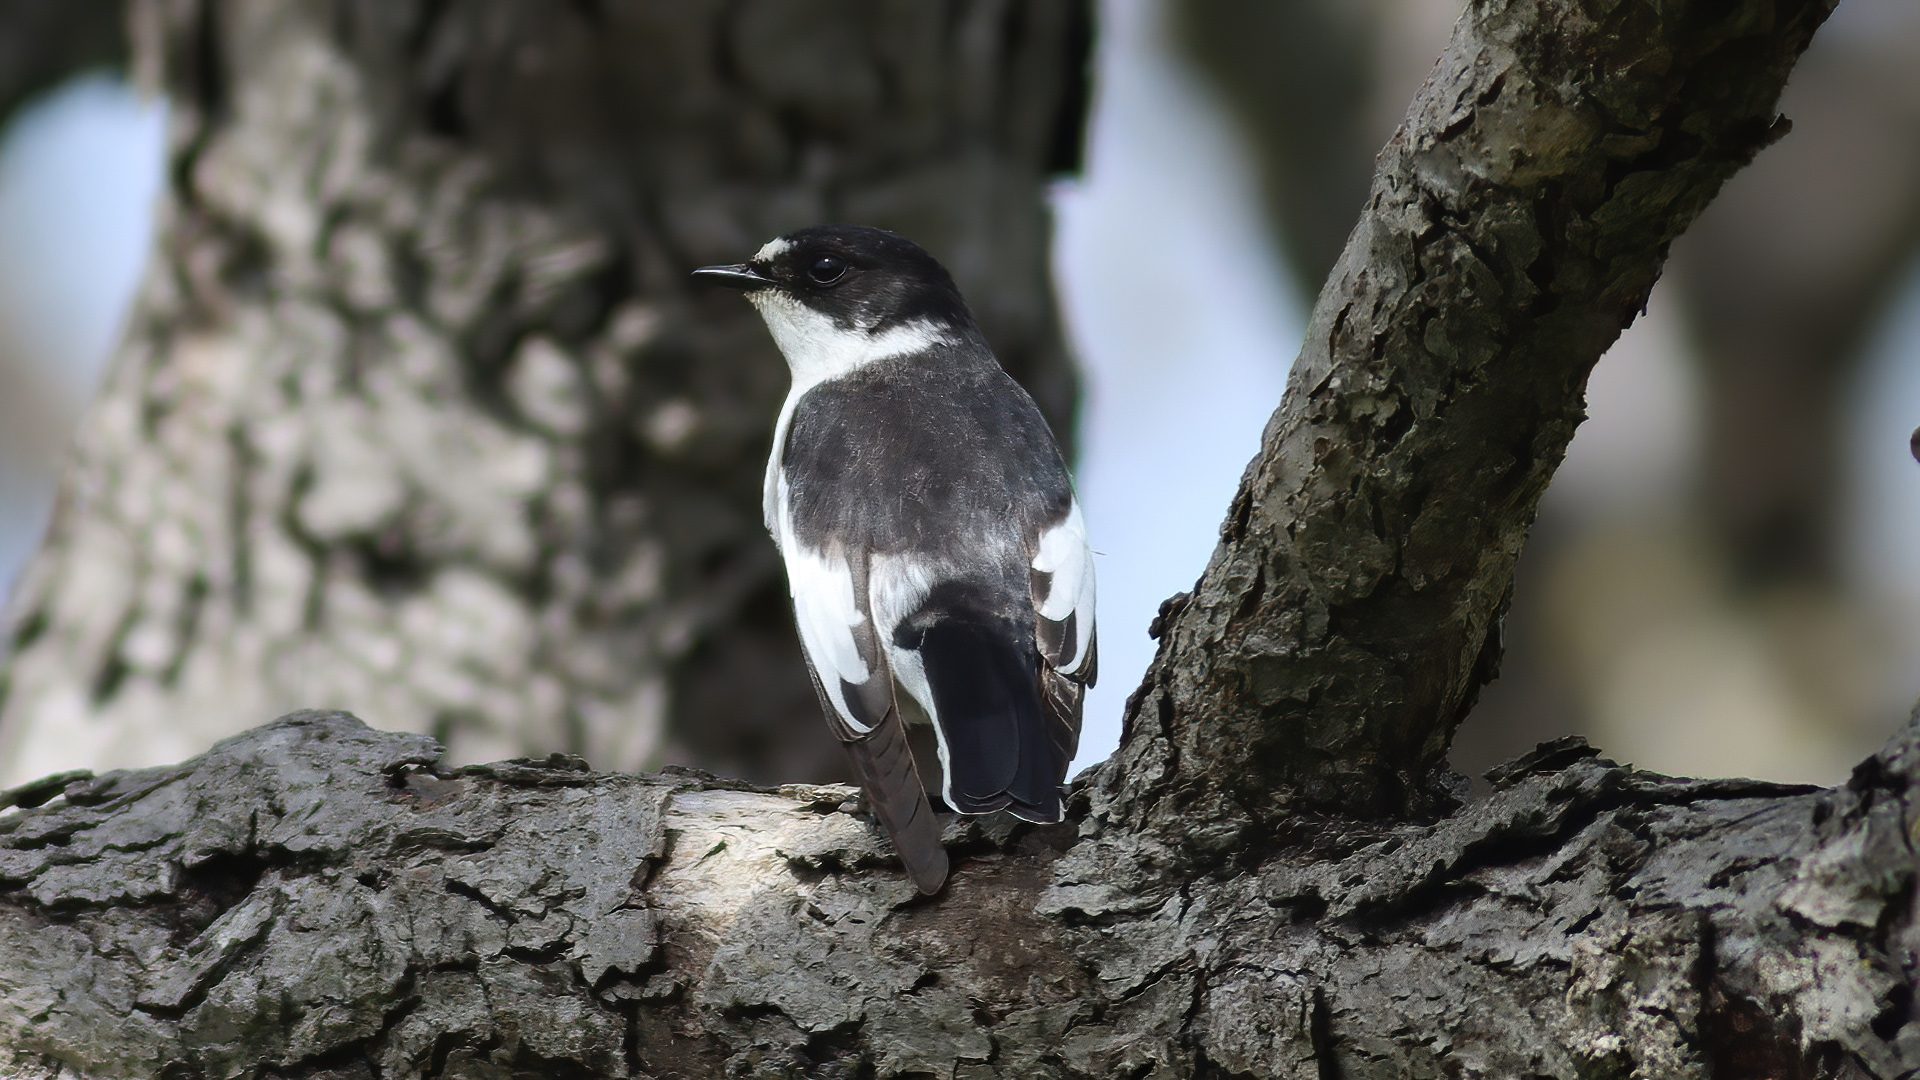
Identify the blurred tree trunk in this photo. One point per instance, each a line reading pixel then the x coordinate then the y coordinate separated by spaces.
pixel 1299 76
pixel 1785 284
pixel 1270 879
pixel 419 413
pixel 43 45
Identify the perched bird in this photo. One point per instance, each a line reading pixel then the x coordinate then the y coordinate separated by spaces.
pixel 930 532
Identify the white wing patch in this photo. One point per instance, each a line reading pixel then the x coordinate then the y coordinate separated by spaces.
pixel 897 586
pixel 826 612
pixel 773 489
pixel 910 671
pixel 1063 553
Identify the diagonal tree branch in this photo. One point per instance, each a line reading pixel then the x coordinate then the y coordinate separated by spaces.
pixel 1518 219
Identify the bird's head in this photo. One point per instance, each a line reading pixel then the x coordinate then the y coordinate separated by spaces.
pixel 838 296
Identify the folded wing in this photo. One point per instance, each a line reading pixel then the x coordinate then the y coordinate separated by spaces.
pixel 855 684
pixel 1063 603
pixel 1002 667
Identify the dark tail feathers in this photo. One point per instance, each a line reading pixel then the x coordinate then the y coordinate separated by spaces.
pixel 1003 750
pixel 884 765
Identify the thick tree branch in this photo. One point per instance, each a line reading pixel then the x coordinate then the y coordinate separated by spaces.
pixel 1518 219
pixel 315 899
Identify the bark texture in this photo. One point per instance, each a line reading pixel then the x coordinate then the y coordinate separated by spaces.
pixel 1782 282
pixel 1518 219
pixel 419 413
pixel 316 899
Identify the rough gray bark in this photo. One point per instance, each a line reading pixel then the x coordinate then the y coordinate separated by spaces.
pixel 315 899
pixel 1783 283
pixel 1518 219
pixel 419 413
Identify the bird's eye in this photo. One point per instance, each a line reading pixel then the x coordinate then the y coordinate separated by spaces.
pixel 826 269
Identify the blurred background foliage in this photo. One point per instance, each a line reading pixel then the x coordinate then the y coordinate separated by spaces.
pixel 1724 577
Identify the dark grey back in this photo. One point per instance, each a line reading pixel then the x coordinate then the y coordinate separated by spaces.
pixel 938 453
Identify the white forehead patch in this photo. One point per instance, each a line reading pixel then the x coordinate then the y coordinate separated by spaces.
pixel 772 249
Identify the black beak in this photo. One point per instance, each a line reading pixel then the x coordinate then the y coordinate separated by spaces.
pixel 738 276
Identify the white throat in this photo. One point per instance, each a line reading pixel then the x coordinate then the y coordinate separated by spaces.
pixel 818 349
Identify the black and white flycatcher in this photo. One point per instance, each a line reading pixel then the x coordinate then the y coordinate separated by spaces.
pixel 930 532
